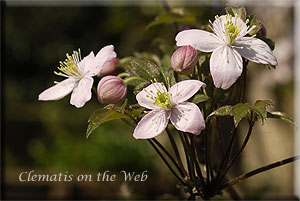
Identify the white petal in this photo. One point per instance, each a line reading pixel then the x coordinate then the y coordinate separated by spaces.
pixel 59 90
pixel 82 92
pixel 184 90
pixel 152 124
pixel 198 39
pixel 87 62
pixel 219 23
pixel 255 50
pixel 187 117
pixel 226 65
pixel 146 96
pixel 106 54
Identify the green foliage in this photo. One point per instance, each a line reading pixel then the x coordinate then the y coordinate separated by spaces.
pixel 170 17
pixel 236 11
pixel 260 107
pixel 282 116
pixel 108 113
pixel 254 22
pixel 199 98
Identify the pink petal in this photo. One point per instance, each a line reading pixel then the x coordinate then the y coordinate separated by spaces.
pixel 152 124
pixel 87 62
pixel 146 97
pixel 226 66
pixel 187 117
pixel 59 90
pixel 198 39
pixel 106 54
pixel 255 50
pixel 184 90
pixel 82 92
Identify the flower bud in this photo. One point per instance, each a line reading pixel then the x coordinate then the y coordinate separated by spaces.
pixel 111 90
pixel 109 68
pixel 184 59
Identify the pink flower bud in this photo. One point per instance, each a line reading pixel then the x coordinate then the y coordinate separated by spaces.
pixel 109 68
pixel 111 90
pixel 184 59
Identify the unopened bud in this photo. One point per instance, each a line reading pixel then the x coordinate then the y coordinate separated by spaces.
pixel 184 59
pixel 111 90
pixel 109 68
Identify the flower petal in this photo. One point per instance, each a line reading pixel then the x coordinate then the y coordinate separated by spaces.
pixel 82 92
pixel 145 97
pixel 184 90
pixel 106 54
pixel 198 39
pixel 59 90
pixel 152 124
pixel 87 62
pixel 187 117
pixel 255 50
pixel 219 23
pixel 226 65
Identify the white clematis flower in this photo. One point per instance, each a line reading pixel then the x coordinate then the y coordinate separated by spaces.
pixel 228 45
pixel 167 105
pixel 79 73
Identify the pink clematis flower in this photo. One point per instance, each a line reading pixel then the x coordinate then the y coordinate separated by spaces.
pixel 228 45
pixel 167 105
pixel 79 75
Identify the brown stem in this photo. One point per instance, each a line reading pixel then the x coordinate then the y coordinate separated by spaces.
pixel 173 143
pixel 244 77
pixel 251 124
pixel 166 162
pixel 259 170
pixel 168 154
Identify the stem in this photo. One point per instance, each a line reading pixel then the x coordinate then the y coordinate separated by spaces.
pixel 173 143
pixel 259 170
pixel 169 155
pixel 251 124
pixel 221 137
pixel 123 75
pixel 244 77
pixel 132 79
pixel 206 158
pixel 166 162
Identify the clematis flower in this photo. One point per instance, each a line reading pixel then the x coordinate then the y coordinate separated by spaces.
pixel 167 105
pixel 228 44
pixel 79 73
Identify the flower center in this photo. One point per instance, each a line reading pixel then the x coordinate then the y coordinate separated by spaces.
pixel 162 100
pixel 70 67
pixel 232 30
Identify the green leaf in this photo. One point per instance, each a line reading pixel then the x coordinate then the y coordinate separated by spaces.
pixel 140 87
pixel 101 116
pixel 171 17
pixel 240 111
pixel 269 66
pixel 144 69
pixel 280 115
pixel 260 107
pixel 167 71
pixel 221 111
pixel 198 98
pixel 236 11
pixel 254 22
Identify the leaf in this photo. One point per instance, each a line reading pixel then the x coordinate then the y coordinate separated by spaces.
pixel 144 69
pixel 260 107
pixel 236 11
pixel 254 22
pixel 280 115
pixel 221 111
pixel 198 98
pixel 240 111
pixel 101 116
pixel 167 72
pixel 140 87
pixel 171 17
pixel 269 66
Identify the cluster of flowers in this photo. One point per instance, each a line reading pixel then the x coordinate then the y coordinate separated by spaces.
pixel 228 43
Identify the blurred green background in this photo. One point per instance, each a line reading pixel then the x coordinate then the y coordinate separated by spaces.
pixel 49 137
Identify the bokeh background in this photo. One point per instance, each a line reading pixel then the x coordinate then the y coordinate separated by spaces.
pixel 49 137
